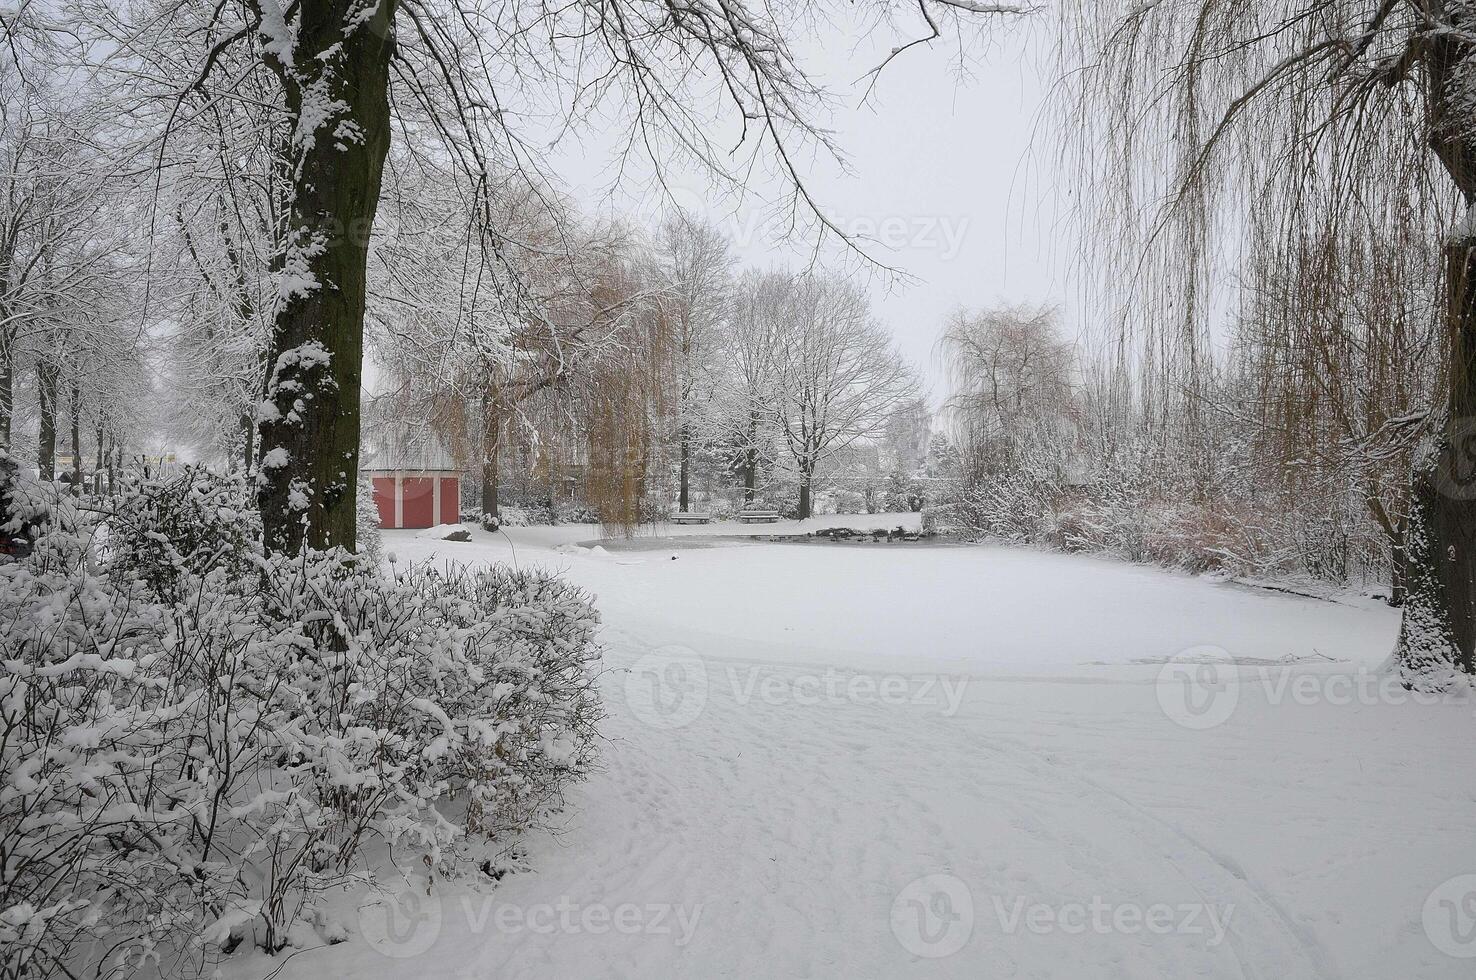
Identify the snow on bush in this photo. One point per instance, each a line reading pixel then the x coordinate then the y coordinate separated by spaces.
pixel 197 739
pixel 1144 509
pixel 370 543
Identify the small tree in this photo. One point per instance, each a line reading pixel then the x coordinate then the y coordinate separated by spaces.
pixel 1012 384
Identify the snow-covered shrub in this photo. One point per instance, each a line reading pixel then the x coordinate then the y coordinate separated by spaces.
pixel 847 501
pixel 510 516
pixel 578 512
pixel 169 530
pixel 197 739
pixel 370 543
pixel 534 515
pixel 527 692
pixel 1143 507
pixel 898 497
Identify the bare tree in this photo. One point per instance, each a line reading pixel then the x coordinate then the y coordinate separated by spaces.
pixel 697 270
pixel 1012 379
pixel 743 407
pixel 837 374
pixel 54 251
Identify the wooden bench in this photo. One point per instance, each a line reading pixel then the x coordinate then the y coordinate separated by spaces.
pixel 691 517
pixel 759 516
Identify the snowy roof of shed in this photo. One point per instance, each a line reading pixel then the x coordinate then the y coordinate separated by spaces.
pixel 406 448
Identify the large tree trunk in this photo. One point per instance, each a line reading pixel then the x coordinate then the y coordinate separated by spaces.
pixel 309 429
pixel 1438 635
pixel 7 384
pixel 491 452
pixel 248 443
pixel 804 494
pixel 46 445
pixel 1437 639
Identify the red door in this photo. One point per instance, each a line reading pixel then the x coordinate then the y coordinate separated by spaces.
pixel 419 507
pixel 384 499
pixel 450 500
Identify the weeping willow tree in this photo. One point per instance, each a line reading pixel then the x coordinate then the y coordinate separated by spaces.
pixel 561 371
pixel 1316 154
pixel 1340 343
pixel 624 398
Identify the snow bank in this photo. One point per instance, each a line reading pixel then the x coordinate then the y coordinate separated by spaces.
pixel 447 532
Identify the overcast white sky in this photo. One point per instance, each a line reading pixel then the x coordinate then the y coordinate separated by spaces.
pixel 952 167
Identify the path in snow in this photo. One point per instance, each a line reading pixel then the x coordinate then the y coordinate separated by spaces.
pixel 856 761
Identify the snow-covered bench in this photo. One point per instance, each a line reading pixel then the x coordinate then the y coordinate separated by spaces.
pixel 759 516
pixel 691 517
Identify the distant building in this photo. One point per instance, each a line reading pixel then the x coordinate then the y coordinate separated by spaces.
pixel 415 481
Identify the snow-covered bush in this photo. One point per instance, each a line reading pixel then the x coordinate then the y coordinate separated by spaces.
pixel 579 512
pixel 197 739
pixel 1144 508
pixel 169 532
pixel 846 501
pixel 526 692
pixel 370 543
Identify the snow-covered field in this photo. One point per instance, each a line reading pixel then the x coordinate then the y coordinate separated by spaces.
pixel 860 760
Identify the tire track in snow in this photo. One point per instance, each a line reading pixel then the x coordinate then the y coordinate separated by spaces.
pixel 1217 878
pixel 804 816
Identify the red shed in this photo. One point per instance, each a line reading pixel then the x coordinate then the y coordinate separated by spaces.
pixel 416 484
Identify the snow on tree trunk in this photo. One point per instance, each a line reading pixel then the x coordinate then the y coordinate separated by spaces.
pixel 1437 639
pixel 74 409
pixel 751 459
pixel 685 470
pixel 7 383
pixel 46 444
pixel 97 465
pixel 333 59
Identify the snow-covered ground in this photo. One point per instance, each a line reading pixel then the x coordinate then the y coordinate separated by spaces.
pixel 882 760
